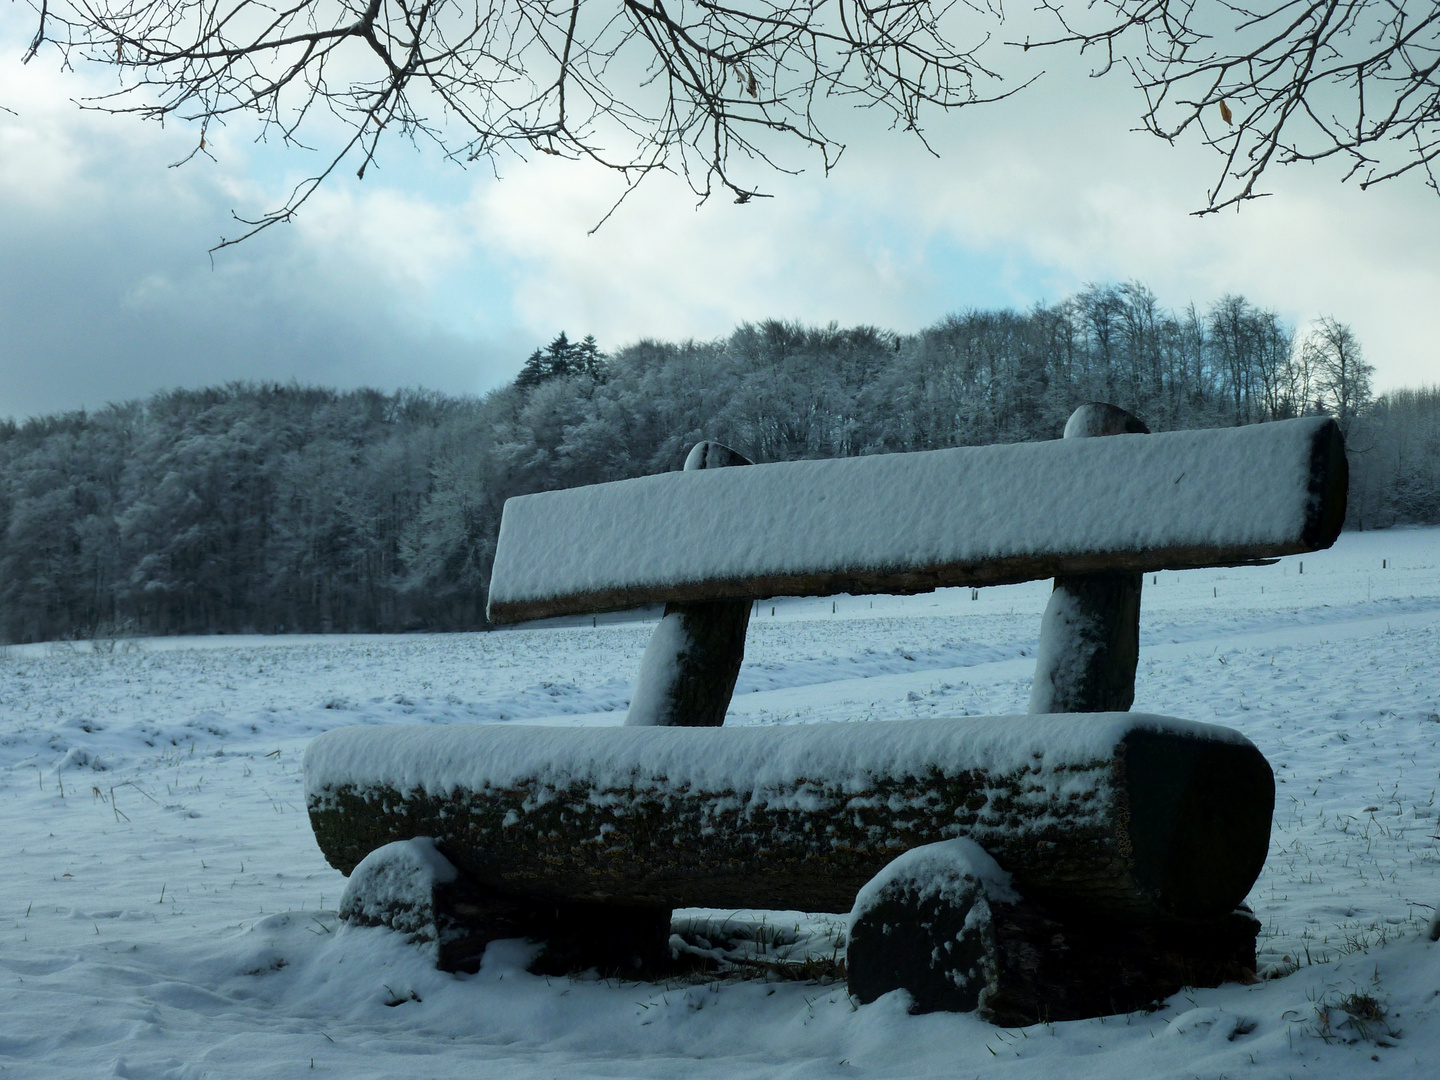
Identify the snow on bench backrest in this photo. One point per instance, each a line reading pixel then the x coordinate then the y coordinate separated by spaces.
pixel 983 515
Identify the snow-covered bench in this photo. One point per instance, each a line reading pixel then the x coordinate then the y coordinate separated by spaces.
pixel 1131 838
pixel 1093 513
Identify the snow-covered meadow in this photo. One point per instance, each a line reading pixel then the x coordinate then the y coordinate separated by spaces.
pixel 164 911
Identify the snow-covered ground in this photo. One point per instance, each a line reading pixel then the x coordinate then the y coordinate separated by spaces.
pixel 164 911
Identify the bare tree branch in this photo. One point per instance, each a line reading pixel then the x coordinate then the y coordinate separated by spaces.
pixel 1278 83
pixel 708 89
pixel 719 91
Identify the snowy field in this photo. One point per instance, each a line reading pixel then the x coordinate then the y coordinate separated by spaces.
pixel 164 911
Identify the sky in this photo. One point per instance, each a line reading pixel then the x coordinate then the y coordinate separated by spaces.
pixel 425 274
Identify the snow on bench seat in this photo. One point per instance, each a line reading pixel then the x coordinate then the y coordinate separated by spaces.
pixel 1092 807
pixel 912 522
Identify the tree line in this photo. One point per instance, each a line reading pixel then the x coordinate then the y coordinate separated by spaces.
pixel 274 508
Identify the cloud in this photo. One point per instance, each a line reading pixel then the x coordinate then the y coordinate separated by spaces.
pixel 1054 181
pixel 426 274
pixel 661 266
pixel 1029 200
pixel 107 291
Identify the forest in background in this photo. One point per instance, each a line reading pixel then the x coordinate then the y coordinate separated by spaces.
pixel 272 508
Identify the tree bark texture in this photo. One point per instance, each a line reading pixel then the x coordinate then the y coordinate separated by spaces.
pixel 688 672
pixel 1090 633
pixel 1161 823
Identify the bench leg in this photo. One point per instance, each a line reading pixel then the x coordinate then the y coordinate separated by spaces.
pixel 688 672
pixel 689 669
pixel 1089 645
pixel 409 887
pixel 1090 635
pixel 961 947
pixel 1048 968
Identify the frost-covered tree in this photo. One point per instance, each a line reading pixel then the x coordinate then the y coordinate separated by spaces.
pixel 561 359
pixel 1341 374
pixel 1397 480
pixel 259 507
pixel 533 372
pixel 589 360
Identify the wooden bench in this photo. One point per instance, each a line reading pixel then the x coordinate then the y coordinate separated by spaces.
pixel 1111 825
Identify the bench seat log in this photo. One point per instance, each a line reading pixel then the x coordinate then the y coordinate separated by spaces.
pixel 1114 812
pixel 904 523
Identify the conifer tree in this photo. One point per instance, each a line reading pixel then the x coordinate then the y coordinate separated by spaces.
pixel 560 357
pixel 533 373
pixel 589 360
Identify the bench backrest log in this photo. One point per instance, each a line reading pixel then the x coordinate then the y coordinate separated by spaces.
pixel 897 523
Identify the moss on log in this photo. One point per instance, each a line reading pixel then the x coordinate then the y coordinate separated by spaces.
pixel 1164 818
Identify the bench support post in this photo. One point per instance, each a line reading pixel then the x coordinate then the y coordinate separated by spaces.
pixel 688 672
pixel 1026 963
pixel 1090 634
